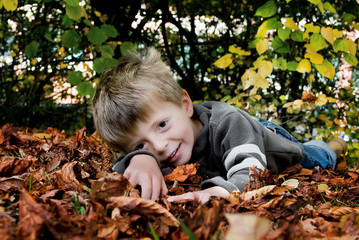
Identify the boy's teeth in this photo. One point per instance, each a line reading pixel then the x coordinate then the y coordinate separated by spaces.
pixel 174 152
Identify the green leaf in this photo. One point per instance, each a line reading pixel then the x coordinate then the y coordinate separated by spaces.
pixel 351 59
pixel 318 41
pixel 75 12
pixel 72 2
pixel 341 45
pixel 283 33
pixel 329 7
pixel 74 77
pixel 267 10
pixel 292 66
pixel 297 36
pixel 107 51
pixel 326 69
pixel 31 49
pixel 349 18
pixel 109 30
pixel 273 23
pixel 277 43
pixel 85 88
pixel 100 64
pixel 96 35
pixel 127 46
pixel 71 38
pixel 280 63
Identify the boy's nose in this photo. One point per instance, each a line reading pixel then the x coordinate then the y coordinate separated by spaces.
pixel 159 146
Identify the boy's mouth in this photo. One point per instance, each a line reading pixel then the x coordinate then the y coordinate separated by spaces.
pixel 173 157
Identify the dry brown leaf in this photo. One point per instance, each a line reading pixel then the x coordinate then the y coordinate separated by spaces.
pixel 291 183
pixel 10 165
pixel 143 206
pixel 112 185
pixel 65 178
pixel 340 211
pixel 246 227
pixel 257 193
pixel 181 173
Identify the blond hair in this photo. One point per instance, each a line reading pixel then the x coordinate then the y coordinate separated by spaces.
pixel 124 93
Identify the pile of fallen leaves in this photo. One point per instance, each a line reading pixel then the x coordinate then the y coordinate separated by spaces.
pixel 54 186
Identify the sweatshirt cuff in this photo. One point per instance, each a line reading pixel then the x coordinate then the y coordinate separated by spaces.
pixel 122 162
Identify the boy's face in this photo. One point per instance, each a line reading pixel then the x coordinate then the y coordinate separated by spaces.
pixel 169 133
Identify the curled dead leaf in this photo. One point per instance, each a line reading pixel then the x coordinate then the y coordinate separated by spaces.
pixel 246 227
pixel 340 211
pixel 182 173
pixel 143 206
pixel 257 193
pixel 291 183
pixel 112 185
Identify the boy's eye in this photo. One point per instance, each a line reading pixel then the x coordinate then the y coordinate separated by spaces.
pixel 162 124
pixel 140 146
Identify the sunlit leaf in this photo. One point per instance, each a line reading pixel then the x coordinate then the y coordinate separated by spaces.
pixel 239 51
pixel 297 104
pixel 96 35
pixel 352 47
pixel 314 57
pixel 283 33
pixel 262 30
pixel 265 69
pixel 323 187
pixel 326 69
pixel 288 22
pixel 304 66
pixel 318 42
pixel 321 100
pixel 262 46
pixel 224 61
pixel 310 28
pixel 31 49
pixel 249 78
pixel 267 10
pixel 10 5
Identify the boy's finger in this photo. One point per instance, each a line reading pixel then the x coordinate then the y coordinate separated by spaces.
pixel 146 187
pixel 164 187
pixel 156 190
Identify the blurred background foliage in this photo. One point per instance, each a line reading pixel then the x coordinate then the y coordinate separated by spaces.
pixel 292 62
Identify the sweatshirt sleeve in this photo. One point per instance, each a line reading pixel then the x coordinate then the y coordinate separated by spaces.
pixel 238 143
pixel 123 161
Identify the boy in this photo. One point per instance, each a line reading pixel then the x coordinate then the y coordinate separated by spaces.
pixel 140 110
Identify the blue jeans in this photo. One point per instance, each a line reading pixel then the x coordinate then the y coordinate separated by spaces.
pixel 317 152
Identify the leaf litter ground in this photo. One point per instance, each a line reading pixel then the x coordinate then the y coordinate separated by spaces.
pixel 54 186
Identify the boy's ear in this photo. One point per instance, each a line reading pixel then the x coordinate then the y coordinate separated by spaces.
pixel 187 103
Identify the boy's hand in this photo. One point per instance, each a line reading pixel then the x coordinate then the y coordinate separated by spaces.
pixel 201 196
pixel 143 170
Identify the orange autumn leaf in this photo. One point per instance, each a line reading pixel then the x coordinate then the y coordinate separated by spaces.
pixel 182 173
